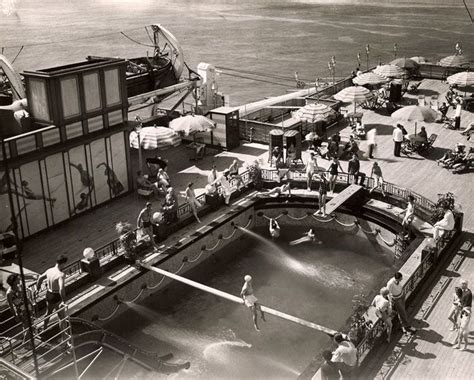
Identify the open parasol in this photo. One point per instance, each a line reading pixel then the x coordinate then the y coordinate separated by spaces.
pixel 389 71
pixel 354 94
pixel 454 60
pixel 369 78
pixel 191 124
pixel 314 112
pixel 462 79
pixel 416 113
pixel 151 138
pixel 405 63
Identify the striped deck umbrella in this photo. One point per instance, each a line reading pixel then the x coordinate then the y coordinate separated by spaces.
pixel 191 124
pixel 370 78
pixel 416 113
pixel 354 94
pixel 389 71
pixel 454 61
pixel 463 79
pixel 314 112
pixel 155 138
pixel 419 59
pixel 405 63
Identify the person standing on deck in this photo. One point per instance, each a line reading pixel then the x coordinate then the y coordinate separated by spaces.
pixel 323 191
pixel 397 140
pixel 193 202
pixel 14 296
pixel 377 175
pixel 224 181
pixel 371 143
pixel 345 356
pixel 457 114
pixel 145 221
pixel 409 216
pixel 55 290
pixel 463 332
pixel 333 170
pixel 251 301
pixel 311 167
pixel 211 178
pixel 397 298
pixel 329 370
pixel 354 169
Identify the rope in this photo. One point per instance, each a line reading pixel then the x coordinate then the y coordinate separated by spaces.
pixel 295 218
pixel 111 315
pixel 323 220
pixel 346 224
pixel 68 40
pixel 213 248
pixel 137 42
pixel 149 36
pixel 155 286
pixel 257 80
pixel 16 56
pixel 385 241
pixel 232 234
pixel 138 295
pixel 197 258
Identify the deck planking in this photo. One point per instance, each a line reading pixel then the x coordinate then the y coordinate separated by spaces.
pixel 96 227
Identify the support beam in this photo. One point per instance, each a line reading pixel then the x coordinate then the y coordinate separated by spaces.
pixel 138 99
pixel 239 300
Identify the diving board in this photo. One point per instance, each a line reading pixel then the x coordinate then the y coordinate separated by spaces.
pixel 341 198
pixel 239 300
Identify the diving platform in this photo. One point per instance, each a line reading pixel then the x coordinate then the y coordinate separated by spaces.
pixel 342 198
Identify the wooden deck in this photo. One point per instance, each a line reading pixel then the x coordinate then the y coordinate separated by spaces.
pixel 422 175
pixel 430 354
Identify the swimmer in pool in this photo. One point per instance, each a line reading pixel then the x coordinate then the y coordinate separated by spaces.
pixel 251 301
pixel 308 236
pixel 274 229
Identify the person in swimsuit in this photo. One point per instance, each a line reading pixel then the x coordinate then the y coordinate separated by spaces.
pixel 409 216
pixel 323 190
pixel 378 178
pixel 311 167
pixel 251 301
pixel 145 221
pixel 224 182
pixel 333 173
pixel 463 332
pixel 274 229
pixel 234 174
pixel 193 202
pixel 308 236
pixel 16 302
pixel 55 290
pixel 279 190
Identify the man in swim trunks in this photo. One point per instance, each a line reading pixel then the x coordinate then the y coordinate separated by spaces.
pixel 144 221
pixel 251 301
pixel 274 229
pixel 55 290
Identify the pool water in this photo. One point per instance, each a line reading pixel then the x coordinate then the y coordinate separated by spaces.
pixel 316 282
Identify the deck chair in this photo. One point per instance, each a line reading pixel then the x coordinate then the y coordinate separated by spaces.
pixel 427 146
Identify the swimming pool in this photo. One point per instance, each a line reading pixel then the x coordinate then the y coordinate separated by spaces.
pixel 311 281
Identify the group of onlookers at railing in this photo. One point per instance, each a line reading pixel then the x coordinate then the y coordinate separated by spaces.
pixel 342 362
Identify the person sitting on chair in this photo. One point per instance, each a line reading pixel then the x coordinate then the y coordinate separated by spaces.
pixel 422 134
pixel 443 110
pixel 144 183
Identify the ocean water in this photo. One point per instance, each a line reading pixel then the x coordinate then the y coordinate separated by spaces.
pixel 276 38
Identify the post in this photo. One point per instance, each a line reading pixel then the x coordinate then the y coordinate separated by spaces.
pixel 20 259
pixel 367 52
pixel 395 50
pixel 138 129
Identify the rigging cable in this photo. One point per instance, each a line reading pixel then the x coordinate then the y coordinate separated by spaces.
pixel 70 40
pixel 255 79
pixel 16 56
pixel 137 42
pixel 468 12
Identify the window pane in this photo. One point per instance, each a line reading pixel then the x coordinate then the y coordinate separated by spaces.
pixel 70 97
pixel 92 91
pixel 112 88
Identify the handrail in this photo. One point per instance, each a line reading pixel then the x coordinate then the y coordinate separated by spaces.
pixel 111 249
